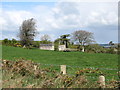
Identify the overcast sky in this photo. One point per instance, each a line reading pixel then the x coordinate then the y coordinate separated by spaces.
pixel 57 18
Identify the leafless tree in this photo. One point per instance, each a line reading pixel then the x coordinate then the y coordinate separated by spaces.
pixel 27 32
pixel 83 37
pixel 45 37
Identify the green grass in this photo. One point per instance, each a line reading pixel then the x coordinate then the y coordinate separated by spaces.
pixel 54 57
pixel 96 60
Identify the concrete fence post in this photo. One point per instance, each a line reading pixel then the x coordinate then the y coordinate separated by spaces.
pixel 102 81
pixel 35 67
pixel 63 69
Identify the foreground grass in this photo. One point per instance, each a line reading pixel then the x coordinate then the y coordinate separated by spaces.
pixel 23 74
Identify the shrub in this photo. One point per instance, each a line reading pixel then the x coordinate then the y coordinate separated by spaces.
pixel 73 46
pixel 36 44
pixel 14 41
pixel 5 41
pixel 111 51
pixel 95 48
pixel 17 45
pixel 9 42
pixel 56 46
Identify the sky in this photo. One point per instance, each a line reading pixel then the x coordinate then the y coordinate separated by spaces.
pixel 58 18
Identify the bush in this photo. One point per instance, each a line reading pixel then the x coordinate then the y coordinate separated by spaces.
pixel 14 41
pixel 17 45
pixel 9 42
pixel 73 46
pixel 36 44
pixel 95 48
pixel 5 41
pixel 111 51
pixel 56 46
pixel 45 42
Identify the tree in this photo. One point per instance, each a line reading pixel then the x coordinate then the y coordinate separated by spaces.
pixel 5 41
pixel 27 32
pixel 14 41
pixel 64 40
pixel 83 37
pixel 45 37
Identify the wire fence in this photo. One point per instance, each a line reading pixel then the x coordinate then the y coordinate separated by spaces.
pixel 92 74
pixel 72 66
pixel 109 73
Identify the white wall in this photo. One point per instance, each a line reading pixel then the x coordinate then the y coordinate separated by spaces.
pixel 47 47
pixel 62 47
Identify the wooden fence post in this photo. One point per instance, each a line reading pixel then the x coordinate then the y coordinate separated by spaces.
pixel 102 81
pixel 63 69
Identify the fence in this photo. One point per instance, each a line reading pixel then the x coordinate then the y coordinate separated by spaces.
pixel 70 70
pixel 46 70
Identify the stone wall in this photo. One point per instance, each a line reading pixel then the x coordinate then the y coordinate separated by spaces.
pixel 62 47
pixel 47 46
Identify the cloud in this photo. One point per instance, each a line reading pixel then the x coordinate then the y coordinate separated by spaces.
pixel 65 17
pixel 11 20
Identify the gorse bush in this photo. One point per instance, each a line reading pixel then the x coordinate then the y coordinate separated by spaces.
pixel 17 45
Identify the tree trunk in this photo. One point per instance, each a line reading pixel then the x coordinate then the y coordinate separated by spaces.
pixel 66 44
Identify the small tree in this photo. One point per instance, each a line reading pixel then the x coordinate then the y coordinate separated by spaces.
pixel 14 41
pixel 45 37
pixel 27 32
pixel 83 37
pixel 5 41
pixel 64 40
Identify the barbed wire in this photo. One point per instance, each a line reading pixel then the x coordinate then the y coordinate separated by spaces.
pixel 72 66
pixel 90 75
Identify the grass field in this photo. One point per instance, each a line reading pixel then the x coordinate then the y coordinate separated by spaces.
pixel 96 60
pixel 68 58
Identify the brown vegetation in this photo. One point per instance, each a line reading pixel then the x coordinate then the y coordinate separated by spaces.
pixel 27 74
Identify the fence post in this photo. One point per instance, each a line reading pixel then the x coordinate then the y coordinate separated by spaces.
pixel 102 81
pixel 63 69
pixel 35 67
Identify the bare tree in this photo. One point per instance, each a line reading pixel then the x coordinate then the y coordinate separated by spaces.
pixel 45 37
pixel 27 32
pixel 83 37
